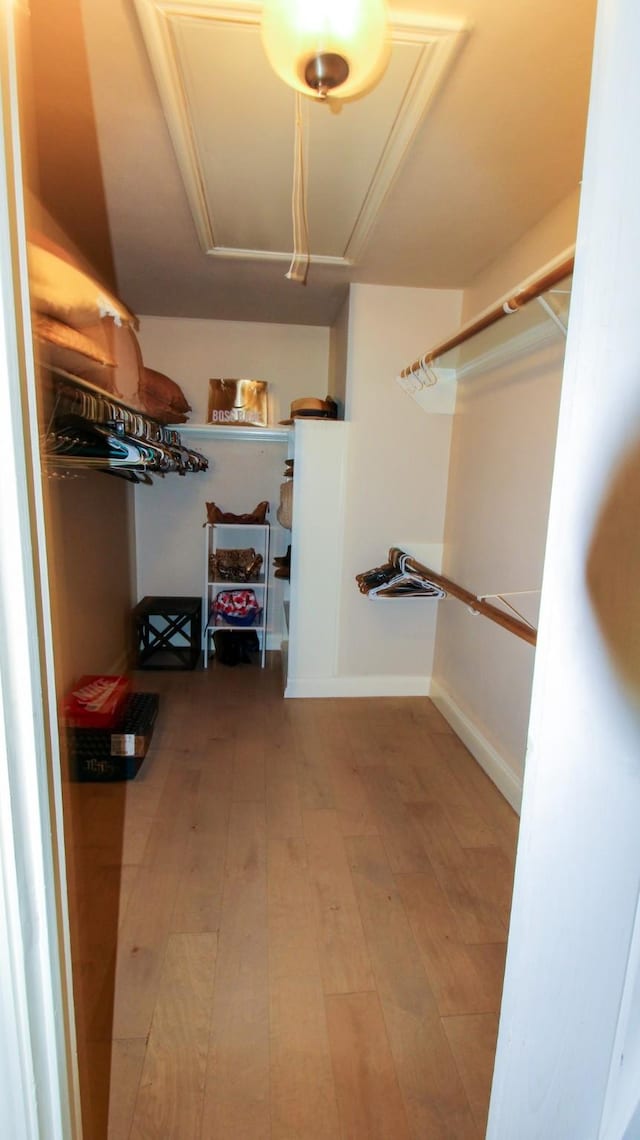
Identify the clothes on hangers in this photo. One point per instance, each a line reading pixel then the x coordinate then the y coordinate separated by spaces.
pixel 394 580
pixel 89 429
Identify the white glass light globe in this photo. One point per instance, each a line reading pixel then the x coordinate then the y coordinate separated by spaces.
pixel 296 33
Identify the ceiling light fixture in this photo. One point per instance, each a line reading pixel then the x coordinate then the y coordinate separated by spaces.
pixel 326 48
pixel 331 50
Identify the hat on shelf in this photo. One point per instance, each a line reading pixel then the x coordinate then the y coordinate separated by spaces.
pixel 311 408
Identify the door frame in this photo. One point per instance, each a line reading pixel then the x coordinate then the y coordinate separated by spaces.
pixel 568 1055
pixel 38 1076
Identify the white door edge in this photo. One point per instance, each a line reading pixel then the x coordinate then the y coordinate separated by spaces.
pixel 38 1079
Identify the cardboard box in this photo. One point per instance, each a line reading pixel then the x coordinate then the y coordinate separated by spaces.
pixel 97 701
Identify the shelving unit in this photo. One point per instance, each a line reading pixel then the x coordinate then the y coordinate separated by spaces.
pixel 235 536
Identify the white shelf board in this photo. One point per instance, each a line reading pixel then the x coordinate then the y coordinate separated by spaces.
pixel 239 526
pixel 226 584
pixel 225 431
pixel 211 627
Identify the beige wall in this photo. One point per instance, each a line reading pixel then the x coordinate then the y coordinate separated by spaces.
pixel 497 506
pixel 338 356
pixel 555 233
pixel 294 360
pixel 90 531
pixel 396 477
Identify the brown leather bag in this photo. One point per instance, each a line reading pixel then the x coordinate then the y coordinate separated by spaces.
pixel 256 517
pixel 235 565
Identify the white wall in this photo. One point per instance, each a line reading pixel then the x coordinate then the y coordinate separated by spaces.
pixel 396 477
pixel 293 359
pixel 316 560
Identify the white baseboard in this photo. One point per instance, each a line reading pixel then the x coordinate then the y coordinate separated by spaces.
pixel 373 686
pixel 496 767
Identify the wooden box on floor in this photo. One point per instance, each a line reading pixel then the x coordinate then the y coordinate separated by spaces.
pixel 168 632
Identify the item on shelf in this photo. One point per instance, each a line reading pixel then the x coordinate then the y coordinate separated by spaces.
pixel 96 701
pixel 284 514
pixel 61 288
pixel 235 647
pixel 124 346
pixel 159 412
pixel 241 402
pixel 288 468
pixel 69 346
pixel 161 397
pixel 236 607
pixel 256 517
pixel 82 354
pixel 283 559
pixel 235 565
pixel 311 408
pixel 283 565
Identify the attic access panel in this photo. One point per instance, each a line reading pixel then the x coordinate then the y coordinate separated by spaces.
pixel 231 122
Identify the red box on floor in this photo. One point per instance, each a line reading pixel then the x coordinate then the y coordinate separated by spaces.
pixel 96 702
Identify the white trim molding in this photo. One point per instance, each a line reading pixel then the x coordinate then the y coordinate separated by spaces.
pixel 496 767
pixel 436 44
pixel 363 686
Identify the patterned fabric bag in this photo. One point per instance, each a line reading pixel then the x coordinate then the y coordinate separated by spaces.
pixel 235 565
pixel 236 607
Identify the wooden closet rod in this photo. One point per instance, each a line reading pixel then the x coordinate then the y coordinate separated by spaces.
pixel 502 309
pixel 514 625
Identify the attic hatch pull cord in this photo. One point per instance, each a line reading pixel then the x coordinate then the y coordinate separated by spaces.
pixel 299 267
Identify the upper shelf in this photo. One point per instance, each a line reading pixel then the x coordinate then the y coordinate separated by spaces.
pixel 227 431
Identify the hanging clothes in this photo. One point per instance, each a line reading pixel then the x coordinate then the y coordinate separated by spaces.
pixel 395 579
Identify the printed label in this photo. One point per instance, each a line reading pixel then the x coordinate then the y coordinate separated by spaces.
pixel 123 744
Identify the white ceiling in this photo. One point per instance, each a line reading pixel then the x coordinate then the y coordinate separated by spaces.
pixel 474 133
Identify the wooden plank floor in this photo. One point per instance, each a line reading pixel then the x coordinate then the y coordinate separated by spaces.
pixel 292 924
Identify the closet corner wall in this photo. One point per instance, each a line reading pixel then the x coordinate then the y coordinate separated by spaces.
pixel 90 522
pixel 498 493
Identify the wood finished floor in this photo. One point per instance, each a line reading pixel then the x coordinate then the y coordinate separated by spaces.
pixel 292 924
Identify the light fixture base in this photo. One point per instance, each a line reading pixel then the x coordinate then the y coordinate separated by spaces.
pixel 324 72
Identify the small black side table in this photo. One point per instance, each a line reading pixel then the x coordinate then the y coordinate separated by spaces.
pixel 168 632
